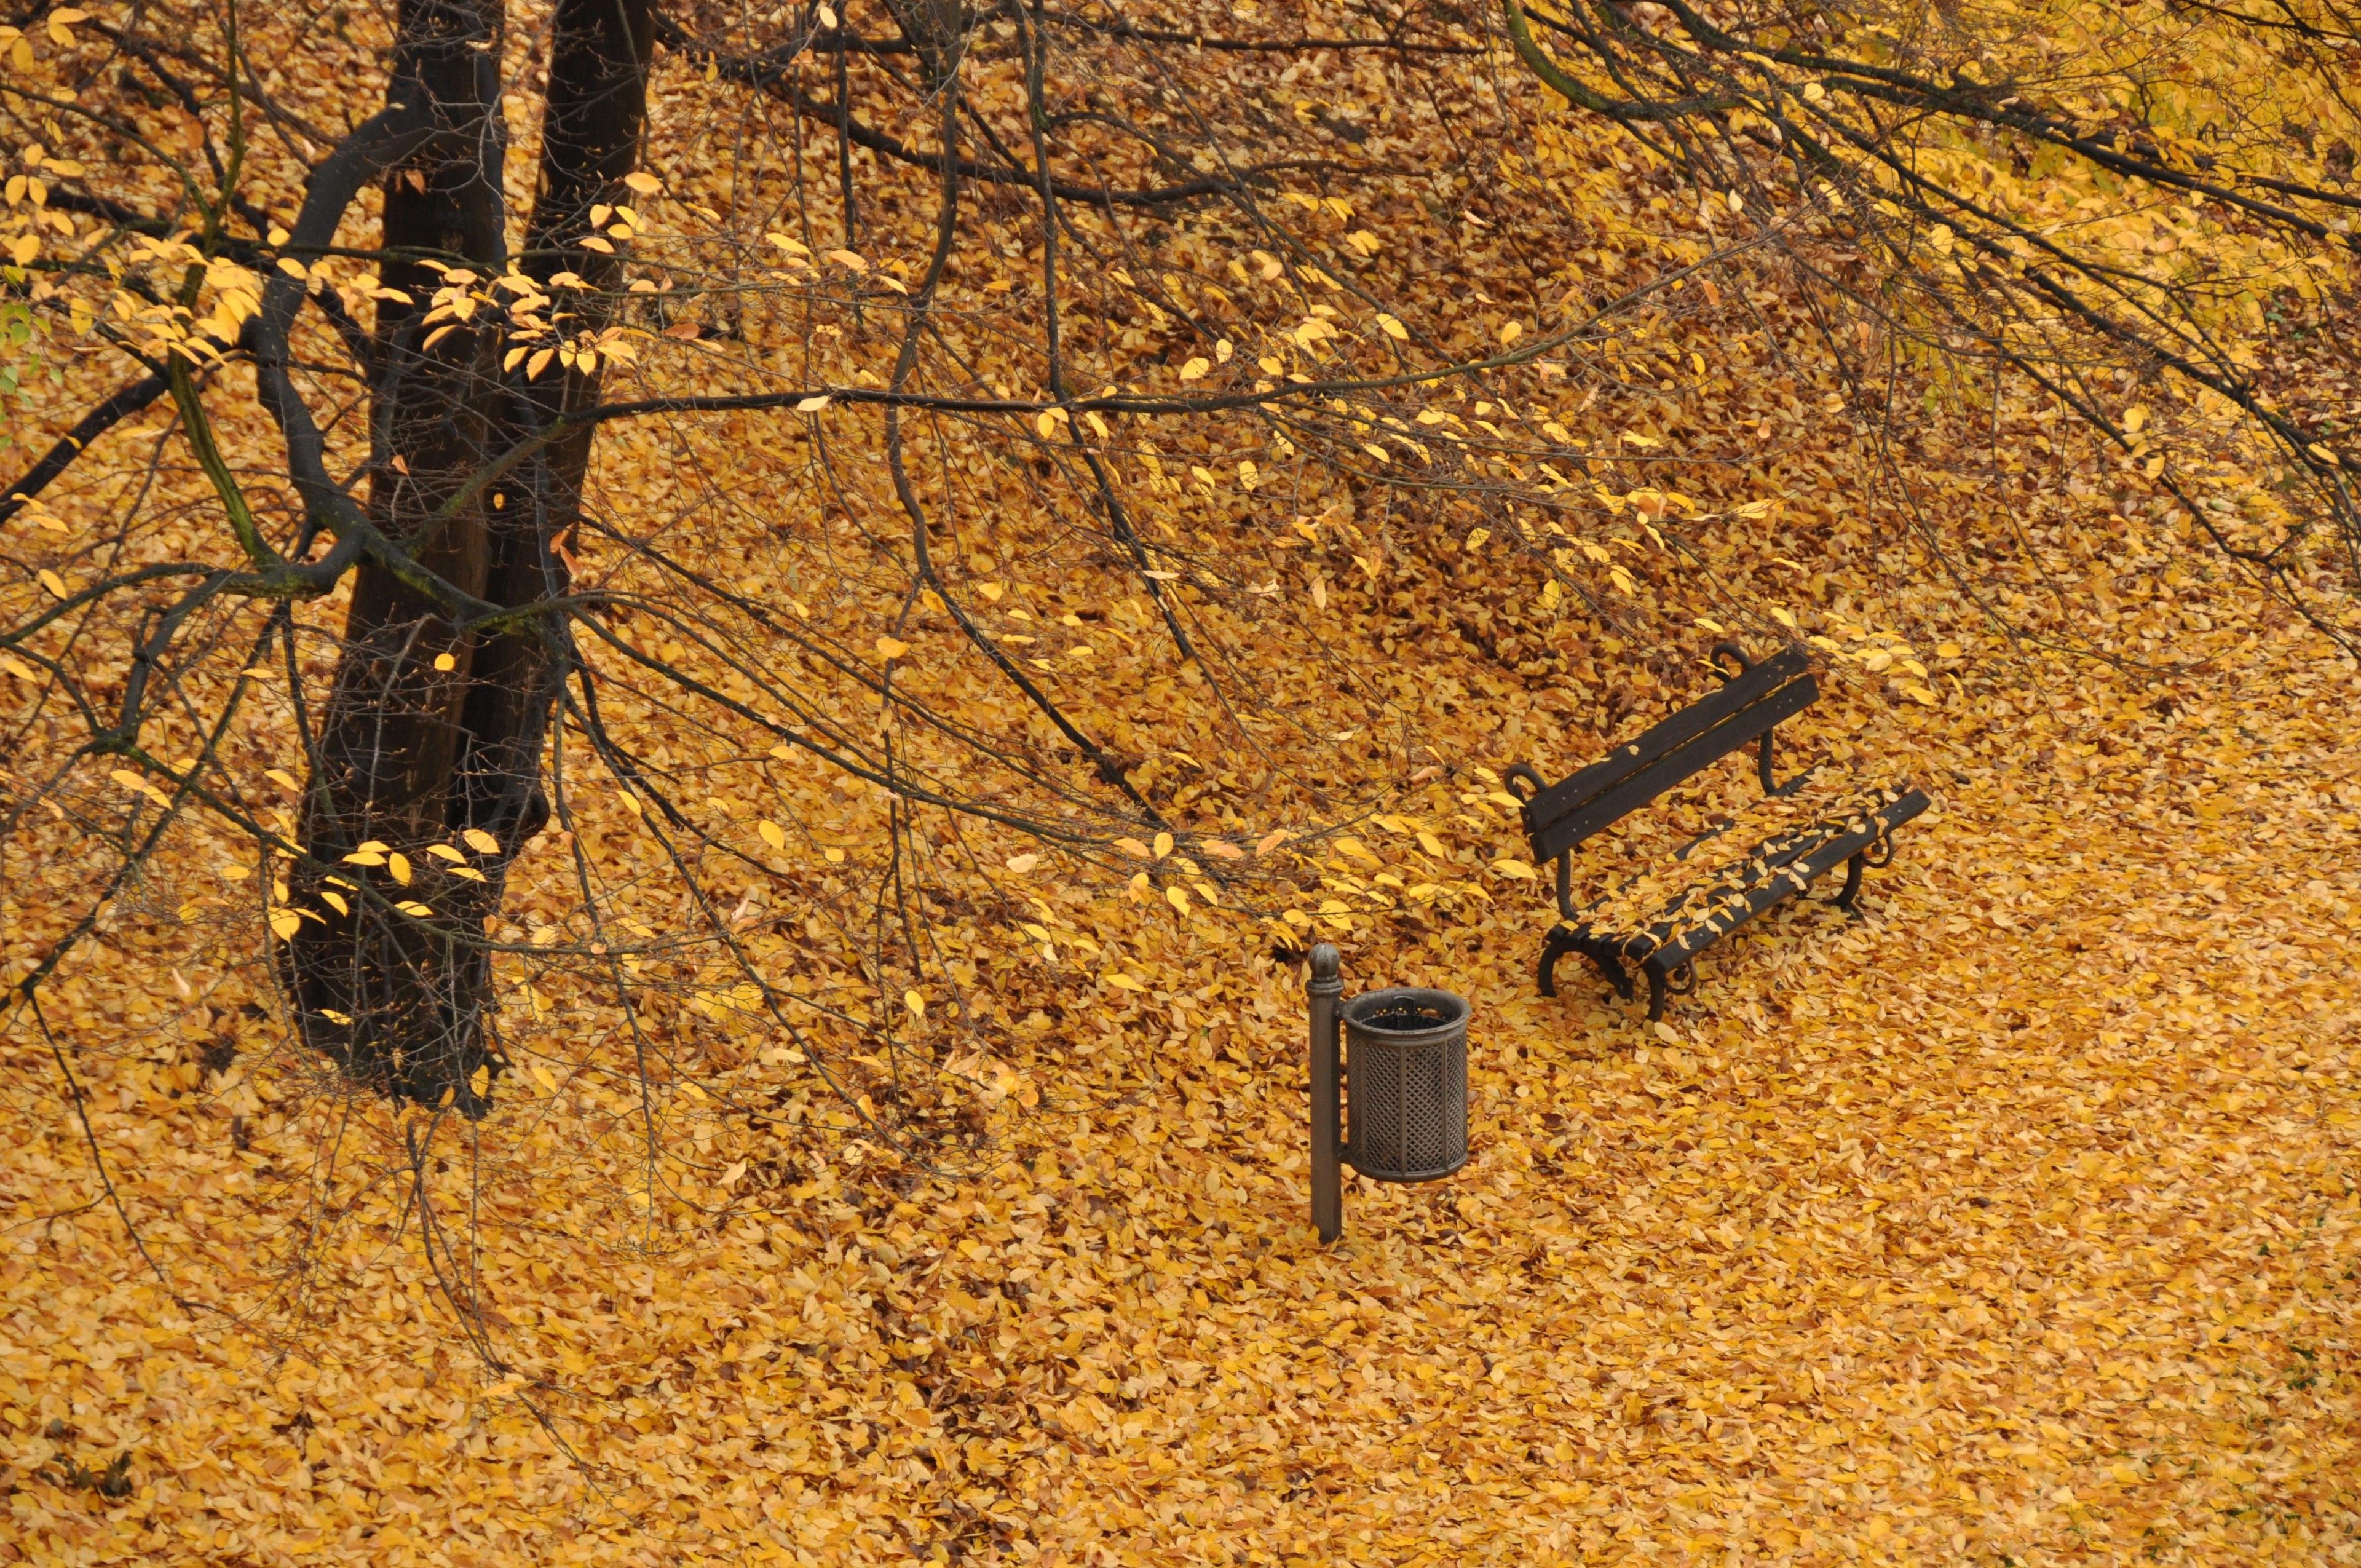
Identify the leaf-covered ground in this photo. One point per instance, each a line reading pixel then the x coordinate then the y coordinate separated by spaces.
pixel 2018 1219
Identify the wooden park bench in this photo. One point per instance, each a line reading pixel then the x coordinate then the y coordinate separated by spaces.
pixel 1663 918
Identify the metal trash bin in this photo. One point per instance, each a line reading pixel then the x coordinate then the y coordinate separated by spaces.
pixel 1406 1084
pixel 1405 1087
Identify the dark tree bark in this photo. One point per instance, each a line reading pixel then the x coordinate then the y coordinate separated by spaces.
pixel 429 731
pixel 590 141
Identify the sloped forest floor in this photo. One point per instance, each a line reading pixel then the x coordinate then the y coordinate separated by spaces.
pixel 2015 1222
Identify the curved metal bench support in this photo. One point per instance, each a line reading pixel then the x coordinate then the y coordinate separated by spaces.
pixel 1848 900
pixel 1560 942
pixel 1556 946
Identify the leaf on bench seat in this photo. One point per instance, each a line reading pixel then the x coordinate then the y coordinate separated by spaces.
pixel 1656 906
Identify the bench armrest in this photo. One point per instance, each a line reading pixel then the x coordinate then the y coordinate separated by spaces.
pixel 1566 887
pixel 1525 774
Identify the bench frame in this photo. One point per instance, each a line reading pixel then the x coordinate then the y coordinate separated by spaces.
pixel 1747 710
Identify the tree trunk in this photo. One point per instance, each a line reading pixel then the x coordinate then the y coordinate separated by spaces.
pixel 429 733
pixel 590 141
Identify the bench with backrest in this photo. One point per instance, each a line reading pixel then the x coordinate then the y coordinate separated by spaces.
pixel 1664 917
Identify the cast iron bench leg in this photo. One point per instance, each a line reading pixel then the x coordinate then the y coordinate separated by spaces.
pixel 1560 942
pixel 1556 946
pixel 1849 899
pixel 1656 995
pixel 1612 969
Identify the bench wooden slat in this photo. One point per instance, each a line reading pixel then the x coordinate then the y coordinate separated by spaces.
pixel 1761 866
pixel 1643 782
pixel 1637 935
pixel 1781 881
pixel 1578 788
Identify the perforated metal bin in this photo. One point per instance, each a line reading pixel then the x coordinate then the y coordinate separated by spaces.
pixel 1406 1084
pixel 1404 1088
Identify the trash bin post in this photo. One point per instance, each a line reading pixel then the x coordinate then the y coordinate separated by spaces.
pixel 1325 986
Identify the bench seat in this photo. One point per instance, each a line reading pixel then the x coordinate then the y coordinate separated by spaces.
pixel 1661 918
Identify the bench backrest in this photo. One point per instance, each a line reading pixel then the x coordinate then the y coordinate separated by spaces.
pixel 1635 773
